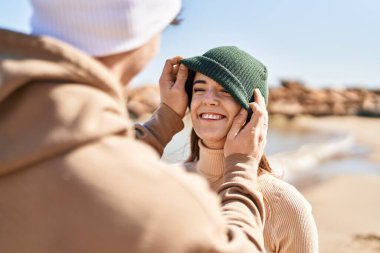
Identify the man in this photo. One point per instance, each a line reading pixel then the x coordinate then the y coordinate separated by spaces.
pixel 72 176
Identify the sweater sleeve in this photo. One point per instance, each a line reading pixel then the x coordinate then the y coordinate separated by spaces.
pixel 160 128
pixel 294 229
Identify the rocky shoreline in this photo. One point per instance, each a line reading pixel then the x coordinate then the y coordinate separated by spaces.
pixel 293 98
pixel 290 99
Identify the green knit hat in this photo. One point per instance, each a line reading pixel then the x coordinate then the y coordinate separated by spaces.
pixel 237 71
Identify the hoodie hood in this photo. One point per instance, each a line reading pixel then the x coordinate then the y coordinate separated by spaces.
pixel 53 98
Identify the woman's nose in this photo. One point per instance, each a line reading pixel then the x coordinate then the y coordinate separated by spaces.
pixel 210 98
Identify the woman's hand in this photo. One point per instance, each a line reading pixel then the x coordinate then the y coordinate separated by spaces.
pixel 172 85
pixel 249 139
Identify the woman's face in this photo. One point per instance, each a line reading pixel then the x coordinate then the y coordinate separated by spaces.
pixel 212 111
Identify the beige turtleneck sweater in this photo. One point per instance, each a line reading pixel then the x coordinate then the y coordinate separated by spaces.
pixel 289 225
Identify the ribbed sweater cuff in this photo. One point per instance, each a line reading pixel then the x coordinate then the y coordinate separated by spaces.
pixel 236 163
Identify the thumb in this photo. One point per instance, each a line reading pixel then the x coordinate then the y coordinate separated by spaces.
pixel 237 123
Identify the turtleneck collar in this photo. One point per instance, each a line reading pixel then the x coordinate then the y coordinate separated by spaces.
pixel 211 162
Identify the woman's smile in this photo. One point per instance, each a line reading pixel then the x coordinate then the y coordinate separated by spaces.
pixel 211 116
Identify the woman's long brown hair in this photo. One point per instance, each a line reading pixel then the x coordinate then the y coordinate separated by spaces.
pixel 264 166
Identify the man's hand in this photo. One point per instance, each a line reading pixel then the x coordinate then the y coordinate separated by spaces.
pixel 172 85
pixel 249 139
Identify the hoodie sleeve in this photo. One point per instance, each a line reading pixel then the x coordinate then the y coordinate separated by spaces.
pixel 160 128
pixel 242 203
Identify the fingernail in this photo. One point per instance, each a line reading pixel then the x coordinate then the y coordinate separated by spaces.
pixel 182 67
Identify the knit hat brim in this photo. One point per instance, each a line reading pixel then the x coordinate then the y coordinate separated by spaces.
pixel 218 73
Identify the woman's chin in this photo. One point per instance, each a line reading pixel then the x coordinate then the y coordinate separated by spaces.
pixel 214 143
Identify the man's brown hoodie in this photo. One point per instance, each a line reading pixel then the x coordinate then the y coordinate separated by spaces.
pixel 73 179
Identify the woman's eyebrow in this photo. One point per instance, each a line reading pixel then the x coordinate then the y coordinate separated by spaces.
pixel 199 81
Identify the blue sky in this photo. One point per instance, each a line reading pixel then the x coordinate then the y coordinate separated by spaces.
pixel 323 43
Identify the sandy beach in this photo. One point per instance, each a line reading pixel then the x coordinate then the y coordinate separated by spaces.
pixel 346 205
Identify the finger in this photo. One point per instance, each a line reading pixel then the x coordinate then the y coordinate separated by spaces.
pixel 258 118
pixel 166 76
pixel 237 123
pixel 256 125
pixel 170 63
pixel 262 107
pixel 259 121
pixel 175 71
pixel 181 77
pixel 167 71
pixel 261 101
pixel 176 61
pixel 259 98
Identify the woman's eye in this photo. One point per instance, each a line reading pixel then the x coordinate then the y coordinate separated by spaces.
pixel 197 90
pixel 225 92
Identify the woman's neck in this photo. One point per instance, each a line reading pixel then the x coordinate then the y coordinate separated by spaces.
pixel 211 161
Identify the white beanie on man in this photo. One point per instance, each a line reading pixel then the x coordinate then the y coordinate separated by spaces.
pixel 103 27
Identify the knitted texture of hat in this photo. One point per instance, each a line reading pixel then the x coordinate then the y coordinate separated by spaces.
pixel 237 71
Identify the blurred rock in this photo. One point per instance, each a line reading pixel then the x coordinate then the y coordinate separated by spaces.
pixel 294 98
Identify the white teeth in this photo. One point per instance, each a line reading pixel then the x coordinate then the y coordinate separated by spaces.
pixel 211 116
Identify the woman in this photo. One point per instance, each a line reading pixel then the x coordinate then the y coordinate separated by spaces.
pixel 220 83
